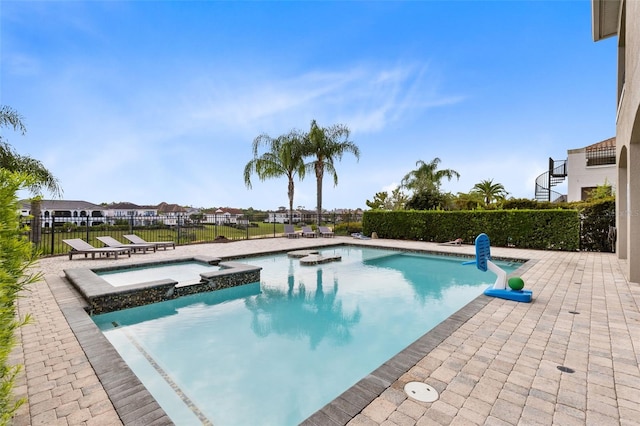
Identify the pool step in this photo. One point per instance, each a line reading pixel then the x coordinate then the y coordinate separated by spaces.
pixel 316 259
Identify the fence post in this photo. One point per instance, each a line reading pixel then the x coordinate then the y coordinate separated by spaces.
pixel 87 227
pixel 178 227
pixel 53 233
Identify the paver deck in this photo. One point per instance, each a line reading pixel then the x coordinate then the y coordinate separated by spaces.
pixel 494 362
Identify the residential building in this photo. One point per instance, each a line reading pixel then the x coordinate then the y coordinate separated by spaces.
pixel 137 215
pixel 622 18
pixel 589 167
pixel 63 211
pixel 282 216
pixel 173 213
pixel 225 216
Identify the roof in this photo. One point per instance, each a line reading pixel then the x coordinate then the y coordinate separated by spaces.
pixel 124 206
pixel 607 143
pixel 63 205
pixel 605 16
pixel 229 210
pixel 170 208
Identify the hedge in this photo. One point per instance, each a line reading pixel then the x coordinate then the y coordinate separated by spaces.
pixel 534 229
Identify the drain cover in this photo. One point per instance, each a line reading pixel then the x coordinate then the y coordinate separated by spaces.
pixel 421 391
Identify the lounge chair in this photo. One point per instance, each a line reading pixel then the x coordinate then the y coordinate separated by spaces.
pixel 307 232
pixel 159 244
pixel 325 232
pixel 112 242
pixel 290 232
pixel 79 246
pixel 456 242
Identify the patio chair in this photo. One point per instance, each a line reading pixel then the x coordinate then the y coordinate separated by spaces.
pixel 325 232
pixel 159 244
pixel 112 242
pixel 307 232
pixel 79 246
pixel 290 232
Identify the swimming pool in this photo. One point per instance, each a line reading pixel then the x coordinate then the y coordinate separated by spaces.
pixel 275 352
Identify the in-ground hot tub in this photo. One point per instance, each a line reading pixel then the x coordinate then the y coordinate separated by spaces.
pixel 104 296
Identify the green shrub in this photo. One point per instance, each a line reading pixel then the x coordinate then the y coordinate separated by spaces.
pixel 536 229
pixel 597 217
pixel 16 260
pixel 347 228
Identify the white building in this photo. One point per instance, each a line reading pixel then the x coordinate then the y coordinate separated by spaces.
pixel 589 167
pixel 66 211
pixel 138 215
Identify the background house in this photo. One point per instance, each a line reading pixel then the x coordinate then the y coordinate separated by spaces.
pixel 137 215
pixel 224 216
pixel 282 216
pixel 171 213
pixel 590 167
pixel 63 211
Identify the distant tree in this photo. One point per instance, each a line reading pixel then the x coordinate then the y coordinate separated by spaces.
pixel 383 201
pixel 424 183
pixel 467 201
pixel 14 162
pixel 284 157
pixel 325 145
pixel 196 218
pixel 489 191
pixel 427 178
pixel 427 199
pixel 380 201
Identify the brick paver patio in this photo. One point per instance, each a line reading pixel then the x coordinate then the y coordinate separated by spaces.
pixel 495 362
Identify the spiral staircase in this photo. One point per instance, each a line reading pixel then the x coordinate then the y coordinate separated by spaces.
pixel 555 175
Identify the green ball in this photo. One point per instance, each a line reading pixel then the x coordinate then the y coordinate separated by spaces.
pixel 516 283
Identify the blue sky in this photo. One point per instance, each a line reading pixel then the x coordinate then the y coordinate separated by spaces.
pixel 151 101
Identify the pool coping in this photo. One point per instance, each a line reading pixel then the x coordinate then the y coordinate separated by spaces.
pixel 135 405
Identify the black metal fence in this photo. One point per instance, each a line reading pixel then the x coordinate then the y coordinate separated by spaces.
pixel 48 232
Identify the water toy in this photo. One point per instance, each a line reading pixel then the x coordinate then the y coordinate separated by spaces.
pixel 499 288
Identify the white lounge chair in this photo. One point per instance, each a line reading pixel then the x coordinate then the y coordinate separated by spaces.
pixel 325 232
pixel 112 242
pixel 159 244
pixel 79 246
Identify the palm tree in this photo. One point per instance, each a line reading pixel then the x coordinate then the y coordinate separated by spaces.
pixel 283 158
pixel 327 144
pixel 427 177
pixel 489 191
pixel 14 162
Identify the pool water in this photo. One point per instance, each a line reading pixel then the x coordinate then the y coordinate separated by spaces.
pixel 272 353
pixel 181 272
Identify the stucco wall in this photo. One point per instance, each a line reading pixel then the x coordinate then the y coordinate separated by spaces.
pixel 580 176
pixel 628 140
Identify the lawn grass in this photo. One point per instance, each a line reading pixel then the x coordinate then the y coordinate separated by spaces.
pixel 182 235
